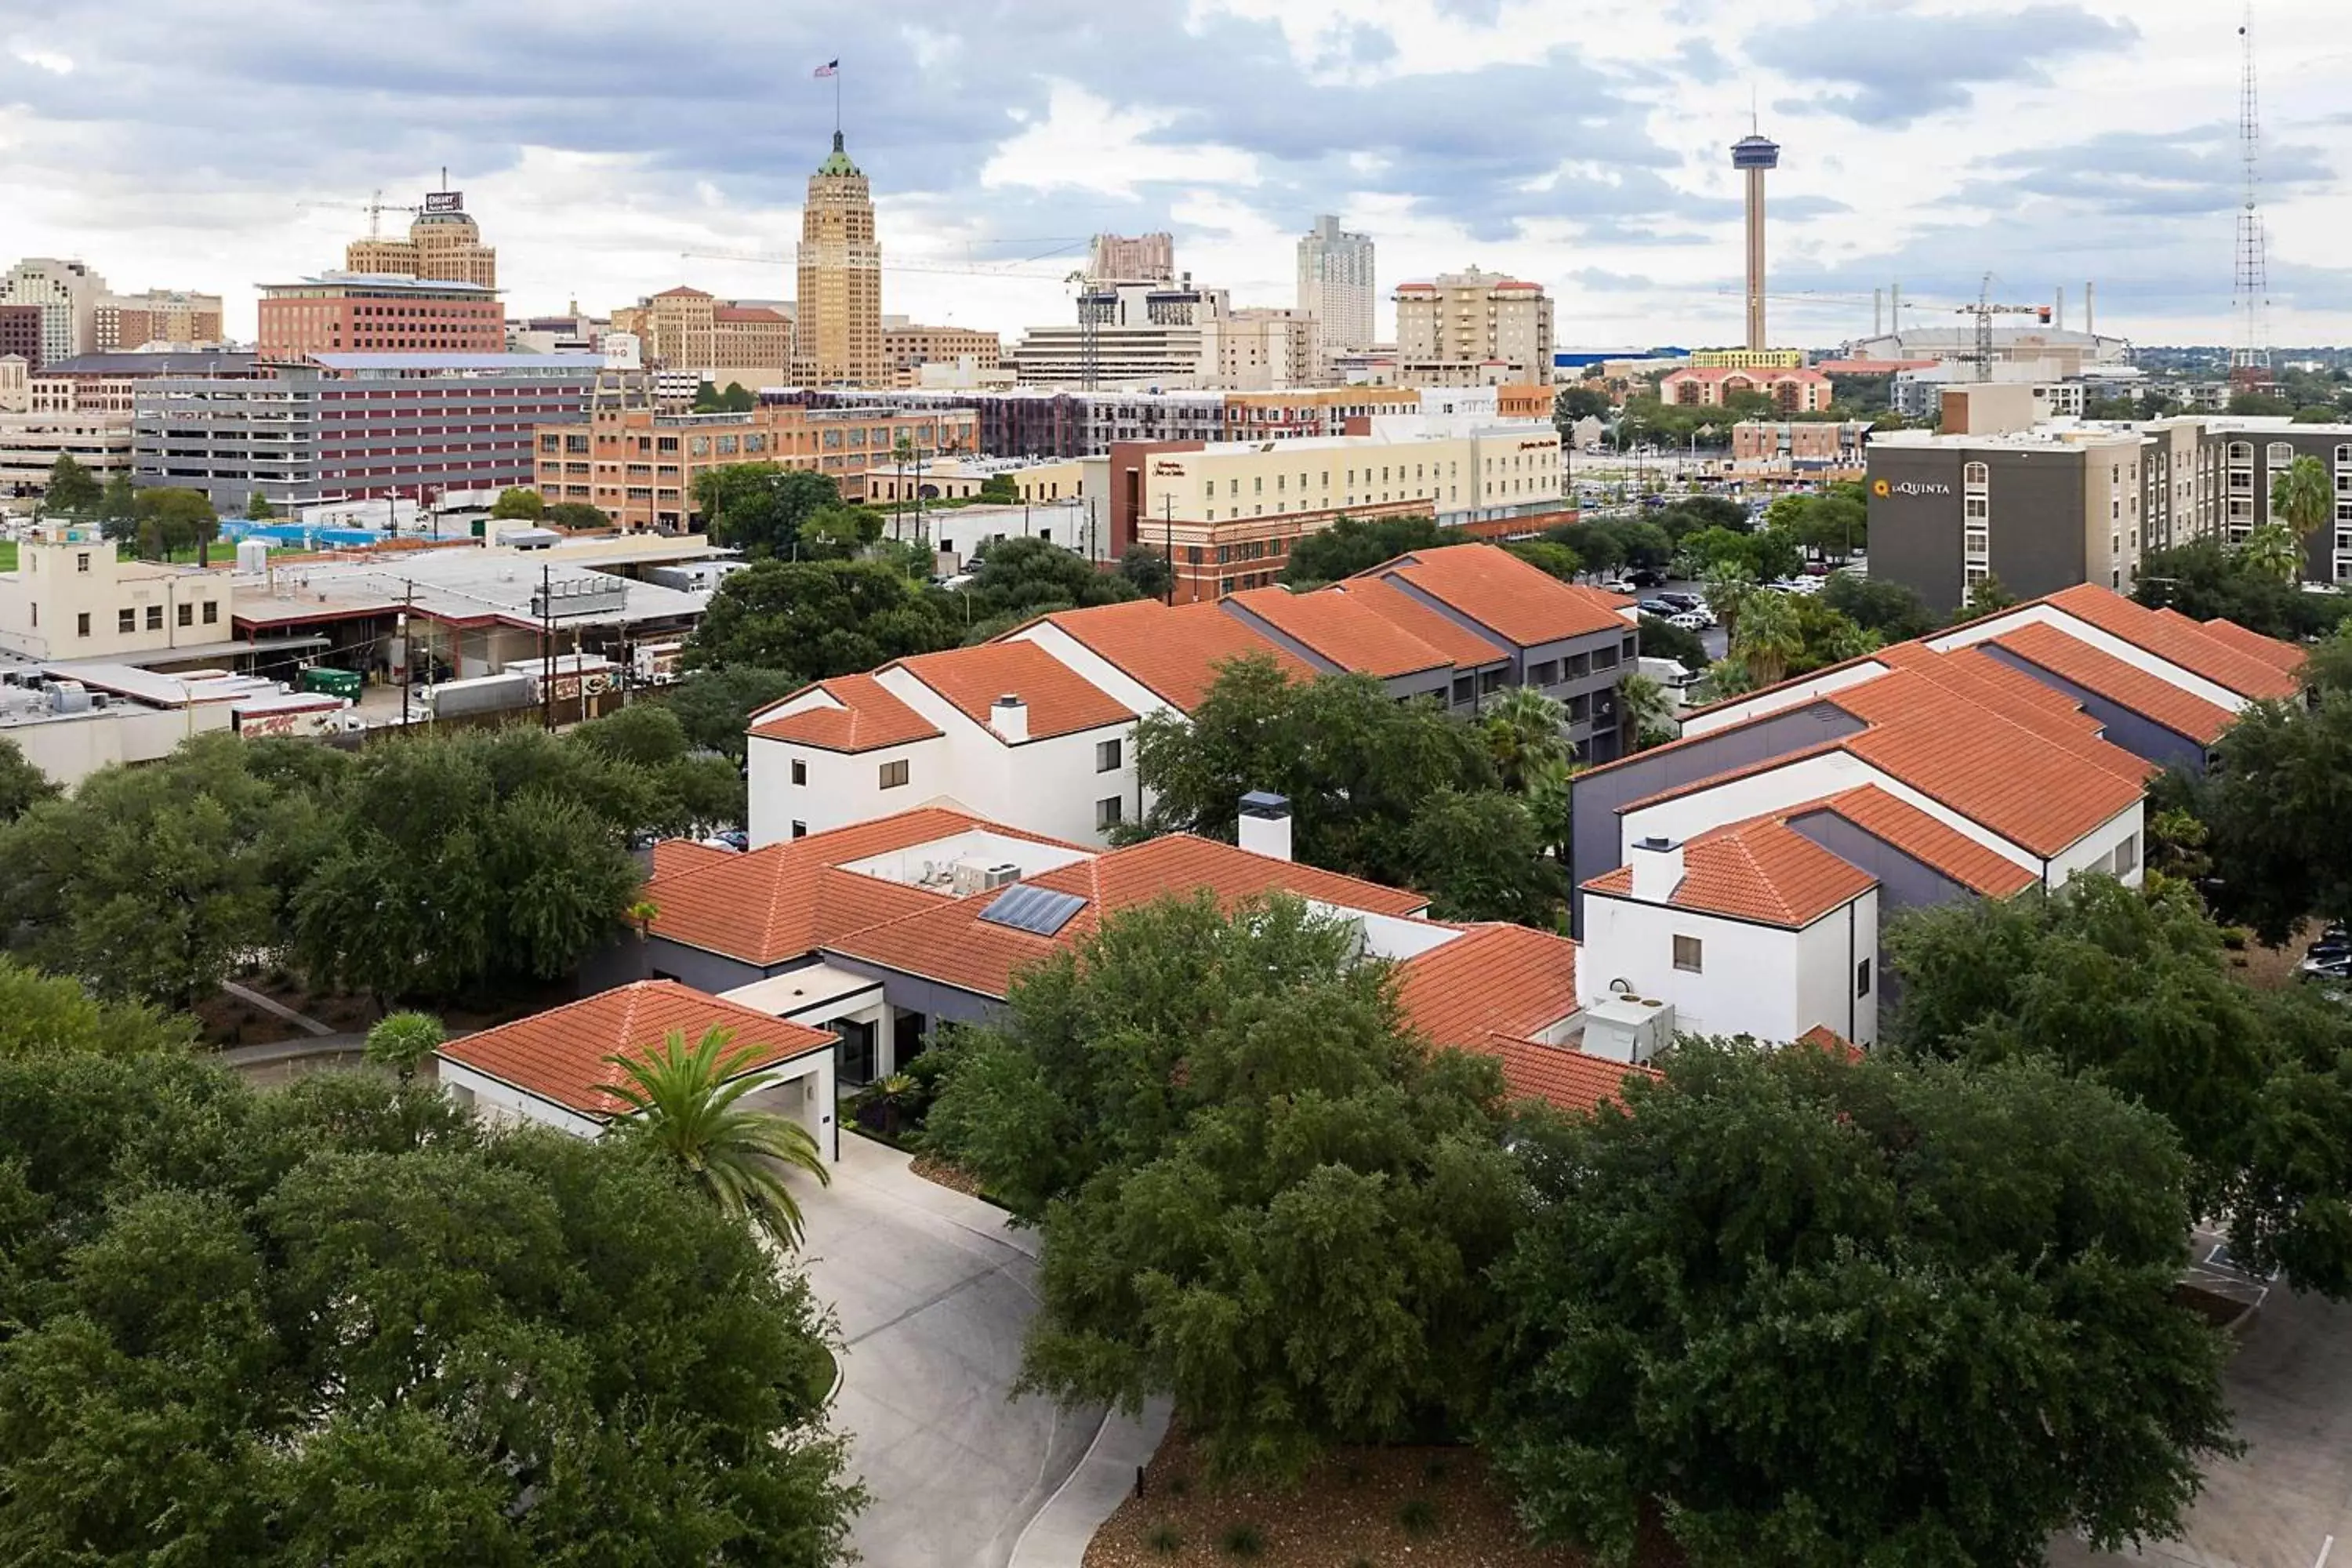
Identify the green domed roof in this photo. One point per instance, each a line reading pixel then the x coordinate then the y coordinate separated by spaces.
pixel 838 163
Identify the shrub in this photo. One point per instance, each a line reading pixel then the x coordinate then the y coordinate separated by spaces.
pixel 1418 1515
pixel 1165 1538
pixel 1243 1540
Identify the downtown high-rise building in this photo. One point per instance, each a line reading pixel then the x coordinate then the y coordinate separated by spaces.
pixel 837 316
pixel 1131 258
pixel 444 244
pixel 1334 284
pixel 67 294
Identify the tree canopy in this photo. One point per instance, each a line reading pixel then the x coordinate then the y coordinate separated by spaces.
pixel 2203 580
pixel 521 503
pixel 1894 611
pixel 170 518
pixel 1259 1191
pixel 1826 1314
pixel 343 1322
pixel 819 618
pixel 713 705
pixel 764 508
pixel 1021 577
pixel 1355 545
pixel 72 490
pixel 22 785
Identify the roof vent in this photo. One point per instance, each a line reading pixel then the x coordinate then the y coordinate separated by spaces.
pixel 1009 718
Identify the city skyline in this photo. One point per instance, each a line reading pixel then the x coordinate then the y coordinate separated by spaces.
pixel 1587 153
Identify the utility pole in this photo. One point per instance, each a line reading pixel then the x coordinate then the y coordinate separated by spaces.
pixel 407 652
pixel 1168 535
pixel 547 647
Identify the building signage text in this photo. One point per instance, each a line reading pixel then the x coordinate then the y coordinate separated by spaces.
pixel 1911 488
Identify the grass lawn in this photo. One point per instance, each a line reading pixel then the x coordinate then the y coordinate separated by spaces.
pixel 8 555
pixel 1385 1506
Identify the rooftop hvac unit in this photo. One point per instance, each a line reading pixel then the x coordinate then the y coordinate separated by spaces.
pixel 971 877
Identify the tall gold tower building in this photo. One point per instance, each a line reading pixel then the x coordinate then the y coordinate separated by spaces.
pixel 444 245
pixel 837 317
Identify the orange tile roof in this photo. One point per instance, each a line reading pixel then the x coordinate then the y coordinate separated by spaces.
pixel 2129 685
pixel 1926 839
pixel 1759 871
pixel 1457 642
pixel 1503 594
pixel 1821 1037
pixel 1060 701
pixel 1348 632
pixel 780 901
pixel 1986 685
pixel 1173 653
pixel 1490 980
pixel 953 945
pixel 672 856
pixel 2177 639
pixel 2283 656
pixel 869 718
pixel 559 1055
pixel 1568 1079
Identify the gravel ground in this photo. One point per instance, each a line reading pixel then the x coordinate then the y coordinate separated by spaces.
pixel 1351 1511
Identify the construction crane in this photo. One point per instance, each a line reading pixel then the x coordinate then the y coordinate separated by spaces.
pixel 965 270
pixel 1984 311
pixel 375 208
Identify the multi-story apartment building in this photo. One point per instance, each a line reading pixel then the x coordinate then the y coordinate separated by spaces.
pixel 444 244
pixel 837 317
pixel 1800 443
pixel 343 426
pixel 1316 411
pixel 686 329
pixel 20 334
pixel 1470 320
pixel 109 384
pixel 123 321
pixel 351 312
pixel 910 345
pixel 638 465
pixel 1127 335
pixel 1131 258
pixel 1748 359
pixel 31 442
pixel 1336 285
pixel 67 294
pixel 1258 349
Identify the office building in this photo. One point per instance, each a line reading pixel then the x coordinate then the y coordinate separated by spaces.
pixel 1467 325
pixel 837 322
pixel 109 383
pixel 367 313
pixel 638 465
pixel 1260 348
pixel 72 596
pixel 908 346
pixel 1748 359
pixel 170 316
pixel 444 245
pixel 345 426
pixel 1131 258
pixel 20 334
pixel 67 294
pixel 1336 285
pixel 1128 334
pixel 728 341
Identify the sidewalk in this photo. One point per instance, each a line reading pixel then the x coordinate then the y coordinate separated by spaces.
pixel 1058 1535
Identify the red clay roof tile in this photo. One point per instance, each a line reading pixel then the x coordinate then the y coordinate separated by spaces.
pixel 2151 697
pixel 1348 631
pixel 1560 1075
pixel 1759 871
pixel 2177 639
pixel 559 1055
pixel 869 717
pixel 1060 701
pixel 2286 656
pixel 1465 647
pixel 1175 654
pixel 1491 979
pixel 1503 594
pixel 1933 842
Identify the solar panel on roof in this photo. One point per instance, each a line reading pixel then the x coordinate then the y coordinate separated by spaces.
pixel 1040 911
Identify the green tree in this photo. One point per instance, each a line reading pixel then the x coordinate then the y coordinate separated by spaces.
pixel 72 490
pixel 339 1323
pixel 1524 729
pixel 2273 551
pixel 118 508
pixel 1645 703
pixel 1556 559
pixel 691 793
pixel 1259 1191
pixel 1147 571
pixel 404 1042
pixel 1000 489
pixel 22 785
pixel 43 1016
pixel 1728 586
pixel 148 883
pixel 761 508
pixel 686 1103
pixel 578 516
pixel 715 706
pixel 1663 639
pixel 1692 513
pixel 2206 581
pixel 1353 544
pixel 1767 638
pixel 1577 403
pixel 2132 990
pixel 1022 576
pixel 2260 404
pixel 2269 801
pixel 1482 856
pixel 2303 499
pixel 258 508
pixel 521 503
pixel 1894 611
pixel 1822 1314
pixel 1988 597
pixel 170 520
pixel 818 618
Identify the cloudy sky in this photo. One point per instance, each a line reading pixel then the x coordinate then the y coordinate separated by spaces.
pixel 1929 141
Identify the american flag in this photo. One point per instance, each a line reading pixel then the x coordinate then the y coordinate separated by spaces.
pixel 830 67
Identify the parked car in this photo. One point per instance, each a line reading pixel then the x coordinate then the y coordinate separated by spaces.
pixel 1643 578
pixel 2324 969
pixel 1690 621
pixel 1682 600
pixel 1618 585
pixel 1661 607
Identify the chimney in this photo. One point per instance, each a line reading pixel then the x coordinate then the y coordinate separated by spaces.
pixel 1657 869
pixel 1009 718
pixel 1266 823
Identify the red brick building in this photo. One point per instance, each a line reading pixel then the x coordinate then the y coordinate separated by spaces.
pixel 359 312
pixel 20 333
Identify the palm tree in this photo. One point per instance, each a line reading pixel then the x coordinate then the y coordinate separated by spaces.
pixel 1645 703
pixel 642 915
pixel 685 1104
pixel 1523 726
pixel 1550 802
pixel 2300 497
pixel 1768 636
pixel 2272 551
pixel 1729 585
pixel 894 1094
pixel 402 1041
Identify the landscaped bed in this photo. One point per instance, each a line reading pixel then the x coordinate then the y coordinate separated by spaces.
pixel 1381 1506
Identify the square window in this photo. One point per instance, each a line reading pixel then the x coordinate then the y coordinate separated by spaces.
pixel 1862 978
pixel 1107 756
pixel 893 774
pixel 187 614
pixel 1690 952
pixel 1109 812
pixel 800 772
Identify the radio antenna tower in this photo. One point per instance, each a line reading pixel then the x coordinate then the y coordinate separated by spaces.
pixel 2250 360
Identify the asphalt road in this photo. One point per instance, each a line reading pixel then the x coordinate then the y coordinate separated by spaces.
pixel 934 1294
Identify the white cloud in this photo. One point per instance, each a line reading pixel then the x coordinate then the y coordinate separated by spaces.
pixel 1088 144
pixel 39 59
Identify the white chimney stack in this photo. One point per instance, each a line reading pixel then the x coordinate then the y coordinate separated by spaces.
pixel 1657 869
pixel 1009 718
pixel 1266 823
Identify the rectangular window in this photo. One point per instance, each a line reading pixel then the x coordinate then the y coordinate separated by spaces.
pixel 1464 686
pixel 1490 680
pixel 126 620
pixel 212 612
pixel 154 617
pixel 1544 674
pixel 800 830
pixel 82 562
pixel 1689 952
pixel 187 614
pixel 1109 812
pixel 893 774
pixel 1862 978
pixel 800 772
pixel 1107 756
pixel 2127 856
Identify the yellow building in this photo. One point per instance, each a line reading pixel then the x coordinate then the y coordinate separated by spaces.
pixel 71 597
pixel 444 245
pixel 686 329
pixel 1472 329
pixel 1748 359
pixel 908 346
pixel 838 329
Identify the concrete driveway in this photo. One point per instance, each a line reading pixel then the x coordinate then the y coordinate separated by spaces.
pixel 2290 1389
pixel 934 1293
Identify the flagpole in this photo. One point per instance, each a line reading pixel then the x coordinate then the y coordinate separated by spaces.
pixel 836 101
